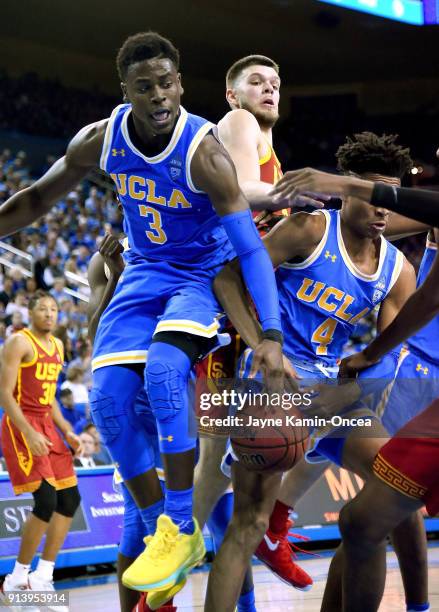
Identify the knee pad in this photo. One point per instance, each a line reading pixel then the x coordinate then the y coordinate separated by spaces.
pixel 45 501
pixel 67 501
pixel 166 373
pixel 107 414
pixel 120 427
pixel 166 389
pixel 133 529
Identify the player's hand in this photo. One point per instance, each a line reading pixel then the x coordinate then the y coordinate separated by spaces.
pixel 268 358
pixel 111 250
pixel 74 442
pixel 309 183
pixel 330 399
pixel 352 365
pixel 38 444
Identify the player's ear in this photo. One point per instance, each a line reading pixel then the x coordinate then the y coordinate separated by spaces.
pixel 180 86
pixel 231 98
pixel 124 92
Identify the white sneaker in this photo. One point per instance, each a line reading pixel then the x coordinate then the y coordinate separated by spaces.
pixel 37 584
pixel 8 586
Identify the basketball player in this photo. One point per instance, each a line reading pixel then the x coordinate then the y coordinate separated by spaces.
pixel 252 92
pixel 344 258
pixel 104 271
pixel 183 210
pixel 38 460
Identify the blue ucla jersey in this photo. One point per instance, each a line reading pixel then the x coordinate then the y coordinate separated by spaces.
pixel 426 341
pixel 323 298
pixel 165 216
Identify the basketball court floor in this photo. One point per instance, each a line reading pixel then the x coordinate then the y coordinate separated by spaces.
pixel 271 594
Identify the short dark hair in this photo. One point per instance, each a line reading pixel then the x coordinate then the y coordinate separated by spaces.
pixel 39 295
pixel 64 392
pixel 249 60
pixel 143 46
pixel 369 153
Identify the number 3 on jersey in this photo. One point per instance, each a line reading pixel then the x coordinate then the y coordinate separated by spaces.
pixel 323 335
pixel 156 234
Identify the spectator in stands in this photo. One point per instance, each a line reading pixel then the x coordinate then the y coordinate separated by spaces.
pixel 75 382
pixel 31 287
pixel 7 292
pixel 101 452
pixel 67 405
pixel 18 281
pixel 53 270
pixel 87 457
pixel 83 360
pixel 19 304
pixel 17 323
pixel 61 333
pixel 83 259
pixel 36 247
pixel 58 290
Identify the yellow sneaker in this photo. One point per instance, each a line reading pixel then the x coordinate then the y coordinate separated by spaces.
pixel 168 557
pixel 157 599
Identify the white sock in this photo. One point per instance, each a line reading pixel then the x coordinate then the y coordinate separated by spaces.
pixel 45 570
pixel 20 572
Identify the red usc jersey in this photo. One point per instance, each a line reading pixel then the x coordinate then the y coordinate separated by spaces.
pixel 36 383
pixel 270 172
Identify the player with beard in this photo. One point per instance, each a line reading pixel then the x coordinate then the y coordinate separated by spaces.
pixel 252 92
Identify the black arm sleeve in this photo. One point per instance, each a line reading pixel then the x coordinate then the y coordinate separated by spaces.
pixel 417 204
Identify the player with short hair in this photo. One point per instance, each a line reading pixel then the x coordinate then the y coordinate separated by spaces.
pixel 184 216
pixel 104 271
pixel 37 459
pixel 334 267
pixel 252 92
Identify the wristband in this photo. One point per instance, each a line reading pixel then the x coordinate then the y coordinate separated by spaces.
pixel 273 334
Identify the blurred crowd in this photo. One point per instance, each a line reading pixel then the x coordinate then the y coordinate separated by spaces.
pixel 60 243
pixel 57 248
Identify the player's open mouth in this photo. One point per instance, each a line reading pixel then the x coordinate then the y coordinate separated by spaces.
pixel 161 116
pixel 269 103
pixel 379 227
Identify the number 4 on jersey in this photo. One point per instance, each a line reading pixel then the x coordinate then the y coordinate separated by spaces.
pixel 323 335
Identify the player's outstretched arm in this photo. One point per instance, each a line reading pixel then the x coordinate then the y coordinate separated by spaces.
pixel 401 227
pixel 15 351
pixel 418 204
pixel 101 287
pixel 26 206
pixel 213 172
pixel 240 133
pixel 421 307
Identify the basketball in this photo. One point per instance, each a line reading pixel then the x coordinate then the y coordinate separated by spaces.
pixel 271 444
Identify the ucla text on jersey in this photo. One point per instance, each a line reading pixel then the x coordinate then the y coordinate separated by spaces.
pixel 166 216
pixel 324 297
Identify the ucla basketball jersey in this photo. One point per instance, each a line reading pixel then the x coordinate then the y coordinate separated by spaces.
pixel 426 341
pixel 165 216
pixel 323 298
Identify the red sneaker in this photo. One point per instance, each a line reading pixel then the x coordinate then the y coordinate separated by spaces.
pixel 142 606
pixel 277 553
